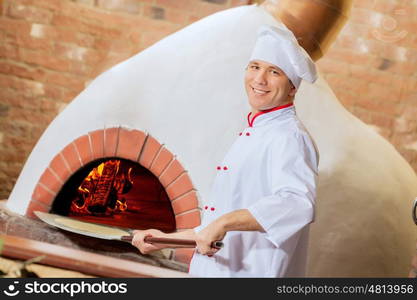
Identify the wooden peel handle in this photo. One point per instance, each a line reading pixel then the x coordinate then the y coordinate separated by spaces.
pixel 179 242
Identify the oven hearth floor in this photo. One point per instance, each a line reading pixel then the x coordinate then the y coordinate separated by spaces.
pixel 16 225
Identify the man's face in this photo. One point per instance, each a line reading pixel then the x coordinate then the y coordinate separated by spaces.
pixel 267 86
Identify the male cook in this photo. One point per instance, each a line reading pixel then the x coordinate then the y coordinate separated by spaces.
pixel 264 193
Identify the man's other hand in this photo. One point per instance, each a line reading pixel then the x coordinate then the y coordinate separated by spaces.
pixel 139 240
pixel 206 237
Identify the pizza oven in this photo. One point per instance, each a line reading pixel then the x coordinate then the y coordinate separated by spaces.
pixel 119 177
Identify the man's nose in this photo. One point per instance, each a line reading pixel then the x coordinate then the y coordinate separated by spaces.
pixel 260 77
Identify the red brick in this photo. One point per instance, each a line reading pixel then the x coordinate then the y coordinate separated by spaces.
pixel 68 95
pixel 193 18
pixel 386 6
pixel 86 2
pixel 23 71
pixel 172 172
pixel 32 43
pixel 385 93
pixel 402 139
pixel 78 24
pixel 409 110
pixel 9 51
pixel 161 161
pixel 363 16
pixel 44 59
pixel 54 92
pixel 177 4
pixel 409 155
pixel 367 4
pixel 68 81
pixel 382 120
pixel 379 106
pixel 401 68
pixel 188 220
pixel 347 98
pixel 350 56
pixel 128 6
pixel 36 206
pixel 94 16
pixel 179 187
pixel 410 84
pixel 11 155
pixel 59 166
pixel 84 149
pixel 15 27
pixel 43 195
pixel 51 181
pixel 154 12
pixel 29 13
pixel 130 144
pixel 149 151
pixel 331 66
pixel 11 82
pixel 184 203
pixel 111 138
pixel 48 4
pixel 362 114
pixel 117 45
pixel 11 169
pixel 80 68
pixel 234 3
pixel 176 16
pixel 97 143
pixel 204 9
pixel 71 157
pixel 72 37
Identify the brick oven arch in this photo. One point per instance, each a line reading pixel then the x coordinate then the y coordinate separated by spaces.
pixel 130 144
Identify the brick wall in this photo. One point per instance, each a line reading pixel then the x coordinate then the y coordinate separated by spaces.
pixel 51 49
pixel 372 68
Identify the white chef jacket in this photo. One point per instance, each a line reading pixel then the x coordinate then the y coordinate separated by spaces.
pixel 271 170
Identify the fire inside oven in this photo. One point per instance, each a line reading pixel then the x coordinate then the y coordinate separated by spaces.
pixel 116 192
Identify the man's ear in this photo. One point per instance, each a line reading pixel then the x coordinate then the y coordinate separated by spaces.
pixel 293 90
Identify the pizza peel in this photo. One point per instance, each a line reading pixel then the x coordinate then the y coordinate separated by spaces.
pixel 109 232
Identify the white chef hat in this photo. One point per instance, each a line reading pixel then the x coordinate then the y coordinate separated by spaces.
pixel 280 47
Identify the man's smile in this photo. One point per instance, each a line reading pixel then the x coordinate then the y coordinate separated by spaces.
pixel 259 92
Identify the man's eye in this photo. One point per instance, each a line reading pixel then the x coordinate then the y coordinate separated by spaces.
pixel 275 72
pixel 254 67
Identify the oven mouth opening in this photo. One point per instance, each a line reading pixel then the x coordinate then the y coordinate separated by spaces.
pixel 116 192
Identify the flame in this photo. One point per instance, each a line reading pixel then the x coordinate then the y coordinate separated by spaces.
pixel 101 191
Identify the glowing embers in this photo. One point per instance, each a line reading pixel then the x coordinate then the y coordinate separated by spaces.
pixel 101 192
pixel 116 192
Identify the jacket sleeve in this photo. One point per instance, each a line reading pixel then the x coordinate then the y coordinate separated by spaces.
pixel 292 176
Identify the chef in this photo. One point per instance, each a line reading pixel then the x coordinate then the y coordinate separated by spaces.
pixel 263 197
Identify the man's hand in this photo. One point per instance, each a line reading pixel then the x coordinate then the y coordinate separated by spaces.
pixel 238 220
pixel 139 240
pixel 204 239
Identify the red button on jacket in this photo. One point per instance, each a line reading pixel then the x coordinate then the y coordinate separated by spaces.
pixel 219 168
pixel 212 208
pixel 247 134
pixel 224 168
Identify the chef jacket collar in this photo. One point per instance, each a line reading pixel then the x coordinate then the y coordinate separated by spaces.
pixel 268 114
